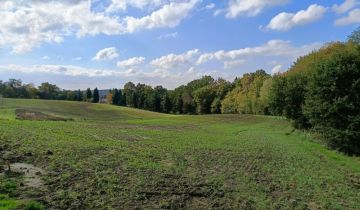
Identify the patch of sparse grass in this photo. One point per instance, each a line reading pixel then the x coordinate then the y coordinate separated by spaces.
pixel 23 114
pixel 8 187
pixel 116 157
pixel 7 114
pixel 7 203
pixel 33 205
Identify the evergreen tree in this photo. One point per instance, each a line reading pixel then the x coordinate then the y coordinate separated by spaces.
pixel 96 96
pixel 121 100
pixel 116 97
pixel 79 95
pixel 88 94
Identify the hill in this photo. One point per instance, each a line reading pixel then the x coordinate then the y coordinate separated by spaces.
pixel 73 155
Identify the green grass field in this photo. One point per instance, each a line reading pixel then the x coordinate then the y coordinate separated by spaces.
pixel 108 157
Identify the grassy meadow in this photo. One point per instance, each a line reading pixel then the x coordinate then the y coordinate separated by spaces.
pixel 97 156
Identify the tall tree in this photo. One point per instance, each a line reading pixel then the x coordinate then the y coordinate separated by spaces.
pixel 48 91
pixel 188 105
pixel 96 96
pixel 179 104
pixel 88 94
pixel 141 92
pixel 116 97
pixel 277 95
pixel 121 101
pixel 79 95
pixel 130 94
pixel 203 98
pixel 166 105
pixel 159 93
pixel 245 97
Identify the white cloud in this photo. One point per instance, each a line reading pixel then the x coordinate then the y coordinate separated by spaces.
pixel 218 12
pixel 169 15
pixel 59 70
pixel 45 57
pixel 7 5
pixel 250 7
pixel 26 25
pixel 344 7
pixel 173 61
pixel 131 62
pixel 77 59
pixel 116 6
pixel 271 48
pixel 233 64
pixel 122 5
pixel 352 18
pixel 106 54
pixel 210 6
pixel 286 21
pixel 277 69
pixel 168 36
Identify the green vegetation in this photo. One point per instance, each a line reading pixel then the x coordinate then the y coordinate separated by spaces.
pixel 113 157
pixel 319 92
pixel 7 203
pixel 33 205
pixel 95 98
pixel 245 97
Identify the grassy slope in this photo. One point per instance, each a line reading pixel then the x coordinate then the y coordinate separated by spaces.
pixel 118 157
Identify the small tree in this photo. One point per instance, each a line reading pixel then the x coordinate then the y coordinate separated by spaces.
pixel 96 96
pixel 109 97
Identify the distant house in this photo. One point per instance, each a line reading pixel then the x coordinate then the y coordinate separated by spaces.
pixel 102 95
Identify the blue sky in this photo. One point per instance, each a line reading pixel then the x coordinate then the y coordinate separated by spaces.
pixel 81 43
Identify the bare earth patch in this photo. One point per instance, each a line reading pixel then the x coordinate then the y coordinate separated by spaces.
pixel 31 174
pixel 23 114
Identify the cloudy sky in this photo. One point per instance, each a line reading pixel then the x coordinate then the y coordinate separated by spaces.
pixel 105 43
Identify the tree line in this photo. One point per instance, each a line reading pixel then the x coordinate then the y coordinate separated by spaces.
pixel 320 91
pixel 14 88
